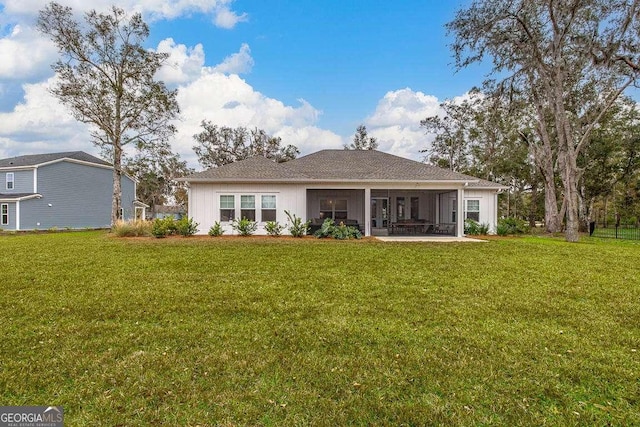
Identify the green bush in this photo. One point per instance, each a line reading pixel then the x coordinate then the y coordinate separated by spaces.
pixel 326 229
pixel 216 230
pixel 274 228
pixel 340 232
pixel 132 228
pixel 483 229
pixel 297 227
pixel 474 228
pixel 244 226
pixel 510 225
pixel 186 226
pixel 163 227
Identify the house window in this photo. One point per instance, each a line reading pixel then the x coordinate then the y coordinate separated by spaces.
pixel 4 214
pixel 10 179
pixel 268 212
pixel 415 208
pixel 227 208
pixel 248 207
pixel 473 210
pixel 400 208
pixel 335 209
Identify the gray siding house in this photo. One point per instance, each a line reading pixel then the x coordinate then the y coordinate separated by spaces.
pixel 63 190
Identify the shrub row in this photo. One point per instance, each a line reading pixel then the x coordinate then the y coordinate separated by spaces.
pixel 246 227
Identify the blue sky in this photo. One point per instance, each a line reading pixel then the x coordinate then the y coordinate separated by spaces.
pixel 308 71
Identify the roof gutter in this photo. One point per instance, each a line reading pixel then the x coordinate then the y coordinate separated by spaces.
pixel 19 199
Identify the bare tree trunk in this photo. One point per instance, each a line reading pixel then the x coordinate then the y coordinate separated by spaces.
pixel 116 201
pixel 533 206
pixel 569 179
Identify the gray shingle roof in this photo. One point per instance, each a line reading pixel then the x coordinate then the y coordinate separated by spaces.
pixel 333 165
pixel 252 169
pixel 37 159
pixel 369 165
pixel 483 183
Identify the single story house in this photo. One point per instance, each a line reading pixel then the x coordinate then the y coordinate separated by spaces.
pixel 63 190
pixel 381 193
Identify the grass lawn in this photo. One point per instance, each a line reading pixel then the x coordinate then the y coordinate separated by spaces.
pixel 249 331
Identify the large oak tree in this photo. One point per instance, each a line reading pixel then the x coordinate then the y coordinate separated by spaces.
pixel 221 145
pixel 568 61
pixel 107 79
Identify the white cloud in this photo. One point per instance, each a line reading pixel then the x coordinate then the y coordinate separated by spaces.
pixel 25 54
pixel 184 64
pixel 396 122
pixel 237 63
pixel 403 107
pixel 220 10
pixel 228 100
pixel 226 18
pixel 41 124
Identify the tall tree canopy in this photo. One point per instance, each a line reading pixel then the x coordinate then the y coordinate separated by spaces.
pixel 220 145
pixel 156 172
pixel 362 140
pixel 565 63
pixel 106 78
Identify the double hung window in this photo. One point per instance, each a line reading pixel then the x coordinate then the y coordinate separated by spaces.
pixel 227 207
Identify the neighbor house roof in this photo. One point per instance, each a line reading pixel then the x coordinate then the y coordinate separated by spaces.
pixel 38 159
pixel 334 165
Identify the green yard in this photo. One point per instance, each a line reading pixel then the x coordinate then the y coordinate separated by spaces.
pixel 266 331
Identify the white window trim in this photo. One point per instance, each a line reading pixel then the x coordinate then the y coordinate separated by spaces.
pixel 4 206
pixel 254 209
pixel 467 210
pixel 267 209
pixel 236 200
pixel 12 181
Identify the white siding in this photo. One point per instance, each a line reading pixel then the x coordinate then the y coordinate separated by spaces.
pixel 204 201
pixel 488 206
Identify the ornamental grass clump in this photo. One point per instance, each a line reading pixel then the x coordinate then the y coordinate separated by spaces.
pixel 136 228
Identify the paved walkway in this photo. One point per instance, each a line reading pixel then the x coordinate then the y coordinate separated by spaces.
pixel 441 239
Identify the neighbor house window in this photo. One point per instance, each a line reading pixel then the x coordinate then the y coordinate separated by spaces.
pixel 227 208
pixel 248 207
pixel 10 178
pixel 473 210
pixel 4 214
pixel 335 209
pixel 268 212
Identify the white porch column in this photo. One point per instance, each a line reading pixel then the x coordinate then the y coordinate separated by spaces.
pixel 460 199
pixel 18 215
pixel 367 211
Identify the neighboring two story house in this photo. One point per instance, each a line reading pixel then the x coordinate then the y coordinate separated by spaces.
pixel 63 190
